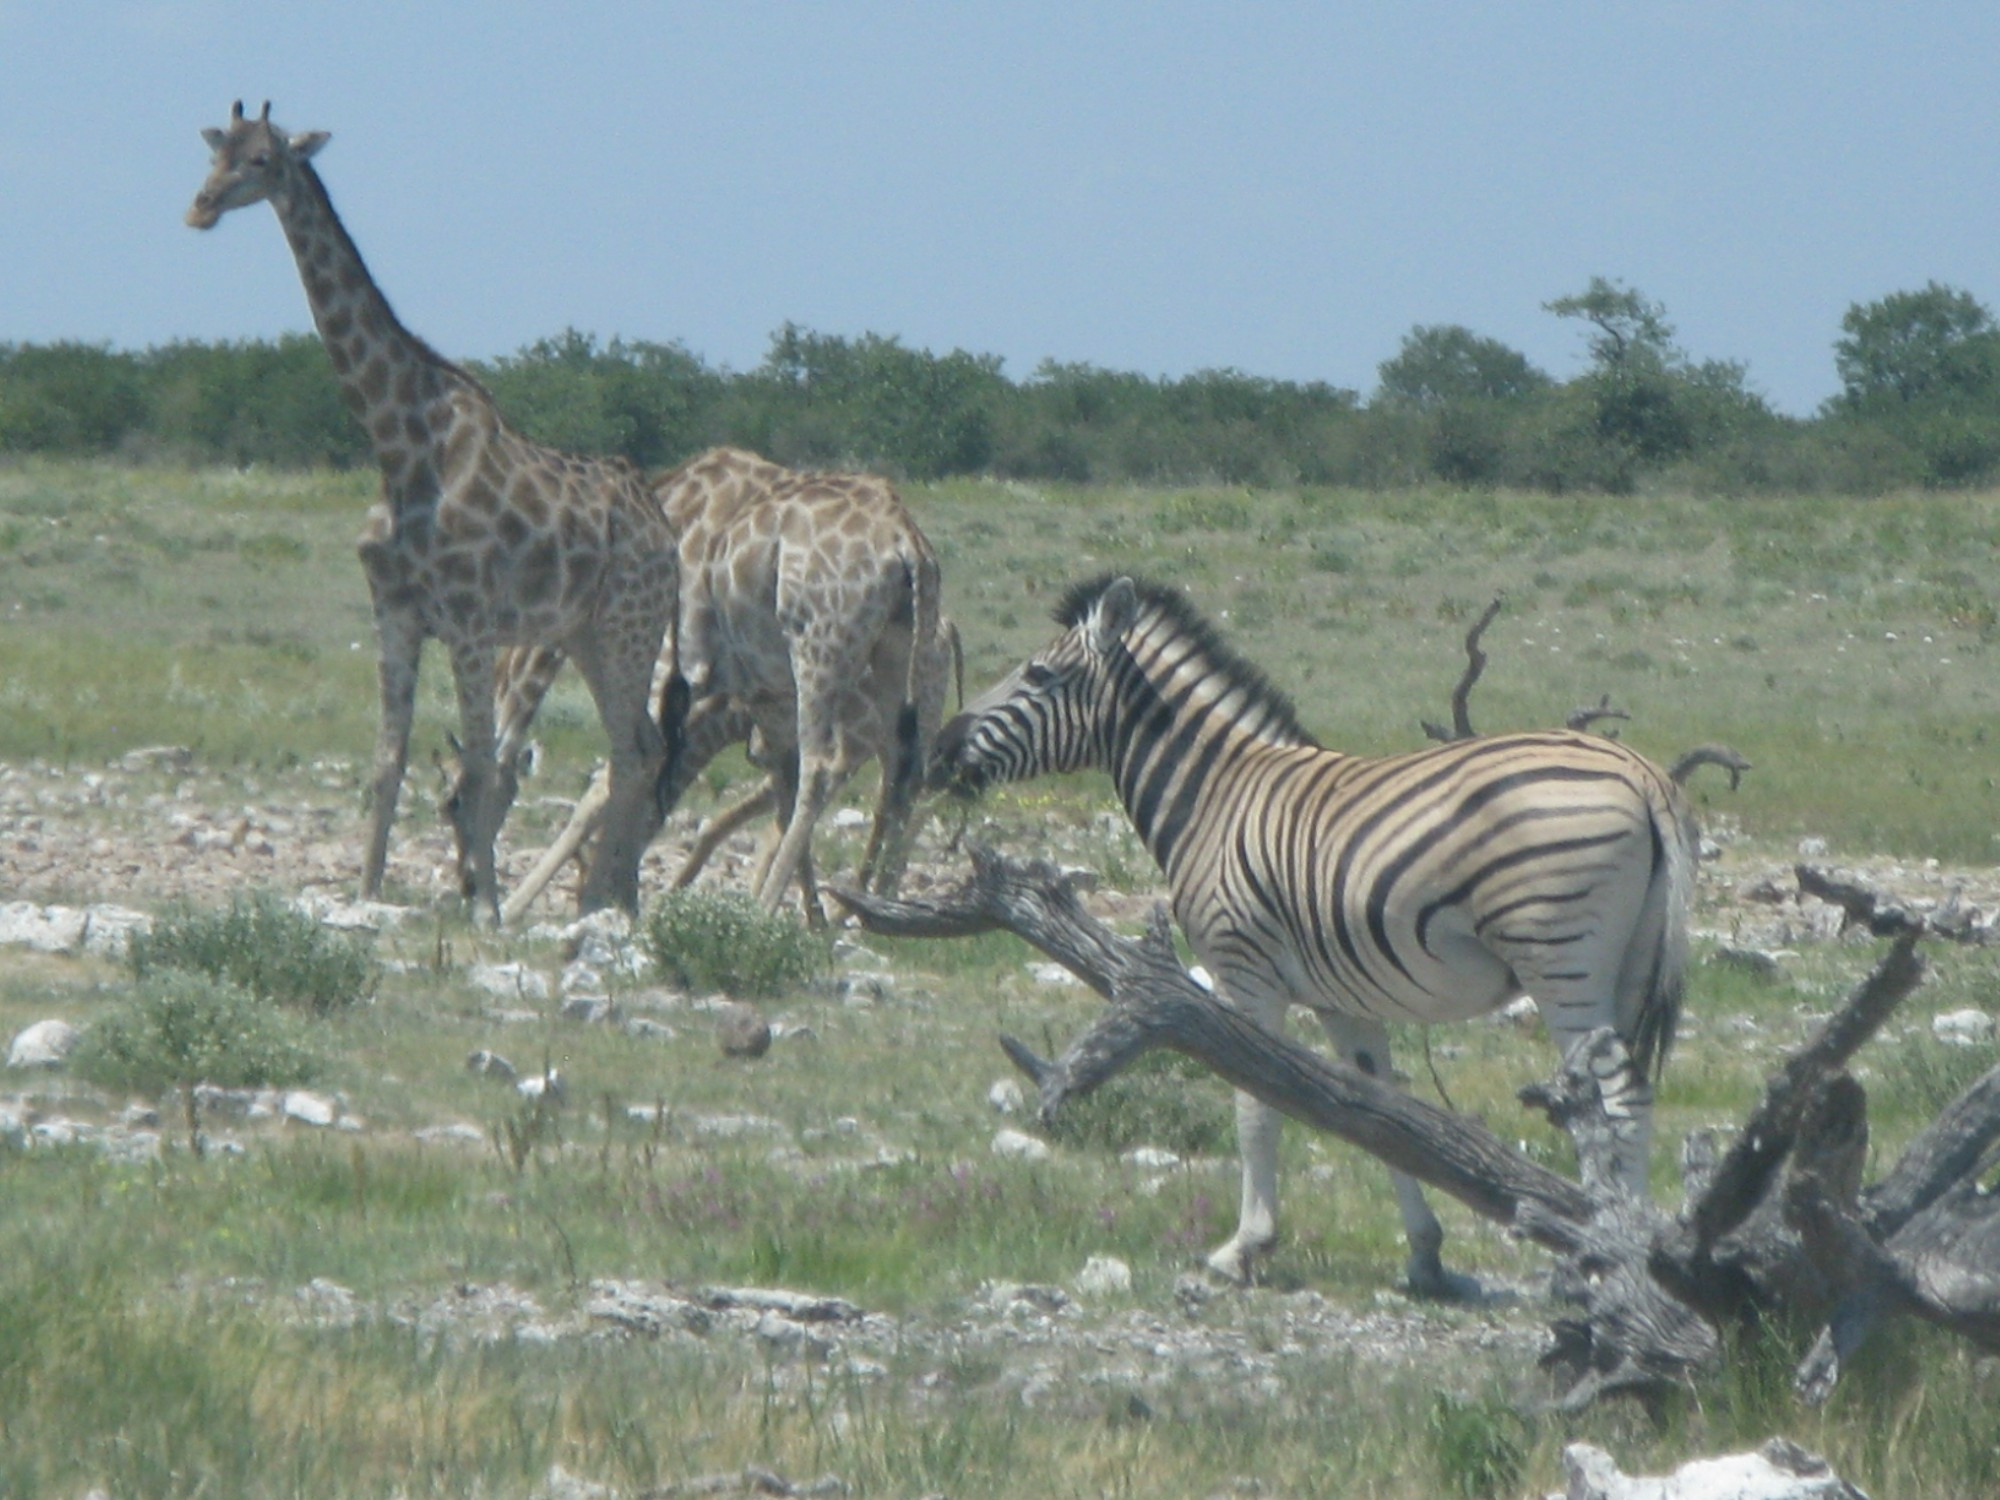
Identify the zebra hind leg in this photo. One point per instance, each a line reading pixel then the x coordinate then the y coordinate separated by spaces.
pixel 1364 1044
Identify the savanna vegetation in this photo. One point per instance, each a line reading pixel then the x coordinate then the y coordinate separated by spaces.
pixel 1821 595
pixel 1919 406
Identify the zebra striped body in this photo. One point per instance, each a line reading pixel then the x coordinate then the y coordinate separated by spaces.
pixel 1427 887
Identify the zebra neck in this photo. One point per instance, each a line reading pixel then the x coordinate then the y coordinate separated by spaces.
pixel 1177 725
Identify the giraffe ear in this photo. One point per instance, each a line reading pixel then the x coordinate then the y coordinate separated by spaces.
pixel 307 143
pixel 1113 615
pixel 214 137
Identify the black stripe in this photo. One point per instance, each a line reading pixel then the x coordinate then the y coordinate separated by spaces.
pixel 1458 893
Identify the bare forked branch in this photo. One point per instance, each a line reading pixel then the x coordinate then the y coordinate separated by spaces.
pixel 1475 664
pixel 1782 1222
pixel 1710 755
pixel 1581 719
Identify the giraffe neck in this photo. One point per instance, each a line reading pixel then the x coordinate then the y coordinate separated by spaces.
pixel 389 377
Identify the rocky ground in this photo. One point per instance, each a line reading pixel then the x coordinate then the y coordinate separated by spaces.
pixel 85 852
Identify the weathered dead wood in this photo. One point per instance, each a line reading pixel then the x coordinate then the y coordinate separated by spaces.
pixel 1693 760
pixel 1157 1004
pixel 1461 696
pixel 1771 1226
pixel 1582 719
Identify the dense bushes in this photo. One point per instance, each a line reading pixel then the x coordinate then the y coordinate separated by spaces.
pixel 1920 405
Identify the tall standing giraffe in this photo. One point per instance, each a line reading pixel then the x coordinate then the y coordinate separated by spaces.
pixel 809 624
pixel 480 538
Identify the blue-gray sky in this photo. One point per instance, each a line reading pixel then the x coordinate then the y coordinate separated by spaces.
pixel 1162 187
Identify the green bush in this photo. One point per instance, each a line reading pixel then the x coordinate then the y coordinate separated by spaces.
pixel 181 1029
pixel 272 950
pixel 723 940
pixel 1164 1099
pixel 1480 1446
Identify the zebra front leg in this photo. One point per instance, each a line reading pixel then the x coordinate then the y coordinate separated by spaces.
pixel 1237 1258
pixel 1257 1128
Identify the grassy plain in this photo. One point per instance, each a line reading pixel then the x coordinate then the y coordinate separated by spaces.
pixel 1848 648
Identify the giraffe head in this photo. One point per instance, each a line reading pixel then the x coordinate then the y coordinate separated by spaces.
pixel 254 160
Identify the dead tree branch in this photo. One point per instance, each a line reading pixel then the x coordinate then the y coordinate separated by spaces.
pixel 1581 719
pixel 1781 1223
pixel 1475 665
pixel 1710 755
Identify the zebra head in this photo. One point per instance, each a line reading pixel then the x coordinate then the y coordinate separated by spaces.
pixel 1049 713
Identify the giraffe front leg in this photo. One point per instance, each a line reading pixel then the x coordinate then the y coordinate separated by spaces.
pixel 472 675
pixel 633 810
pixel 400 642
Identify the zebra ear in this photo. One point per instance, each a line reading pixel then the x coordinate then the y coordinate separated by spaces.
pixel 1112 615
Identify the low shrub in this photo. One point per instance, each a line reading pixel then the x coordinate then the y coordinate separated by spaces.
pixel 723 940
pixel 270 949
pixel 180 1029
pixel 1164 1099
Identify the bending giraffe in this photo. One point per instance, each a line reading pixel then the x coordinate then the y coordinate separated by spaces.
pixel 480 539
pixel 809 625
pixel 870 710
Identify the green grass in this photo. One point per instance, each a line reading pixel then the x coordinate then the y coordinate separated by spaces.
pixel 139 1350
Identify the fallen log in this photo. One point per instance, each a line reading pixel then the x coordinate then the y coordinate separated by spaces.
pixel 1778 1224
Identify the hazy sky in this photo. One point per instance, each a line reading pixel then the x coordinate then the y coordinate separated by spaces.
pixel 1285 189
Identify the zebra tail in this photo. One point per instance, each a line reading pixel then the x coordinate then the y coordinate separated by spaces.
pixel 1676 844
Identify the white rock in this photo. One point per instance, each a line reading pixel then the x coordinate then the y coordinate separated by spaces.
pixel 491 1065
pixel 511 981
pixel 1780 1470
pixel 1103 1276
pixel 547 1085
pixel 107 930
pixel 1812 848
pixel 45 929
pixel 156 758
pixel 308 1109
pixel 1006 1097
pixel 1152 1158
pixel 1019 1146
pixel 351 916
pixel 1522 1012
pixel 43 1045
pixel 560 1484
pixel 1963 1028
pixel 1052 974
pixel 581 978
pixel 849 817
pixel 1202 977
pixel 470 1135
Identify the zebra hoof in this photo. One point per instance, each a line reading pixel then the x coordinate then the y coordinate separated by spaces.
pixel 1426 1279
pixel 1236 1261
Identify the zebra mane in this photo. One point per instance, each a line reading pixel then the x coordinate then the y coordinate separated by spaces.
pixel 1189 621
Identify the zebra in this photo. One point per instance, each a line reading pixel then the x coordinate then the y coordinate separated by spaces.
pixel 1431 886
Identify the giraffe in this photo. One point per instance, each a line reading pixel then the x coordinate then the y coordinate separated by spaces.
pixel 697 498
pixel 480 538
pixel 868 707
pixel 809 625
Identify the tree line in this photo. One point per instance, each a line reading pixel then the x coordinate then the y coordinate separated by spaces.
pixel 1919 406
